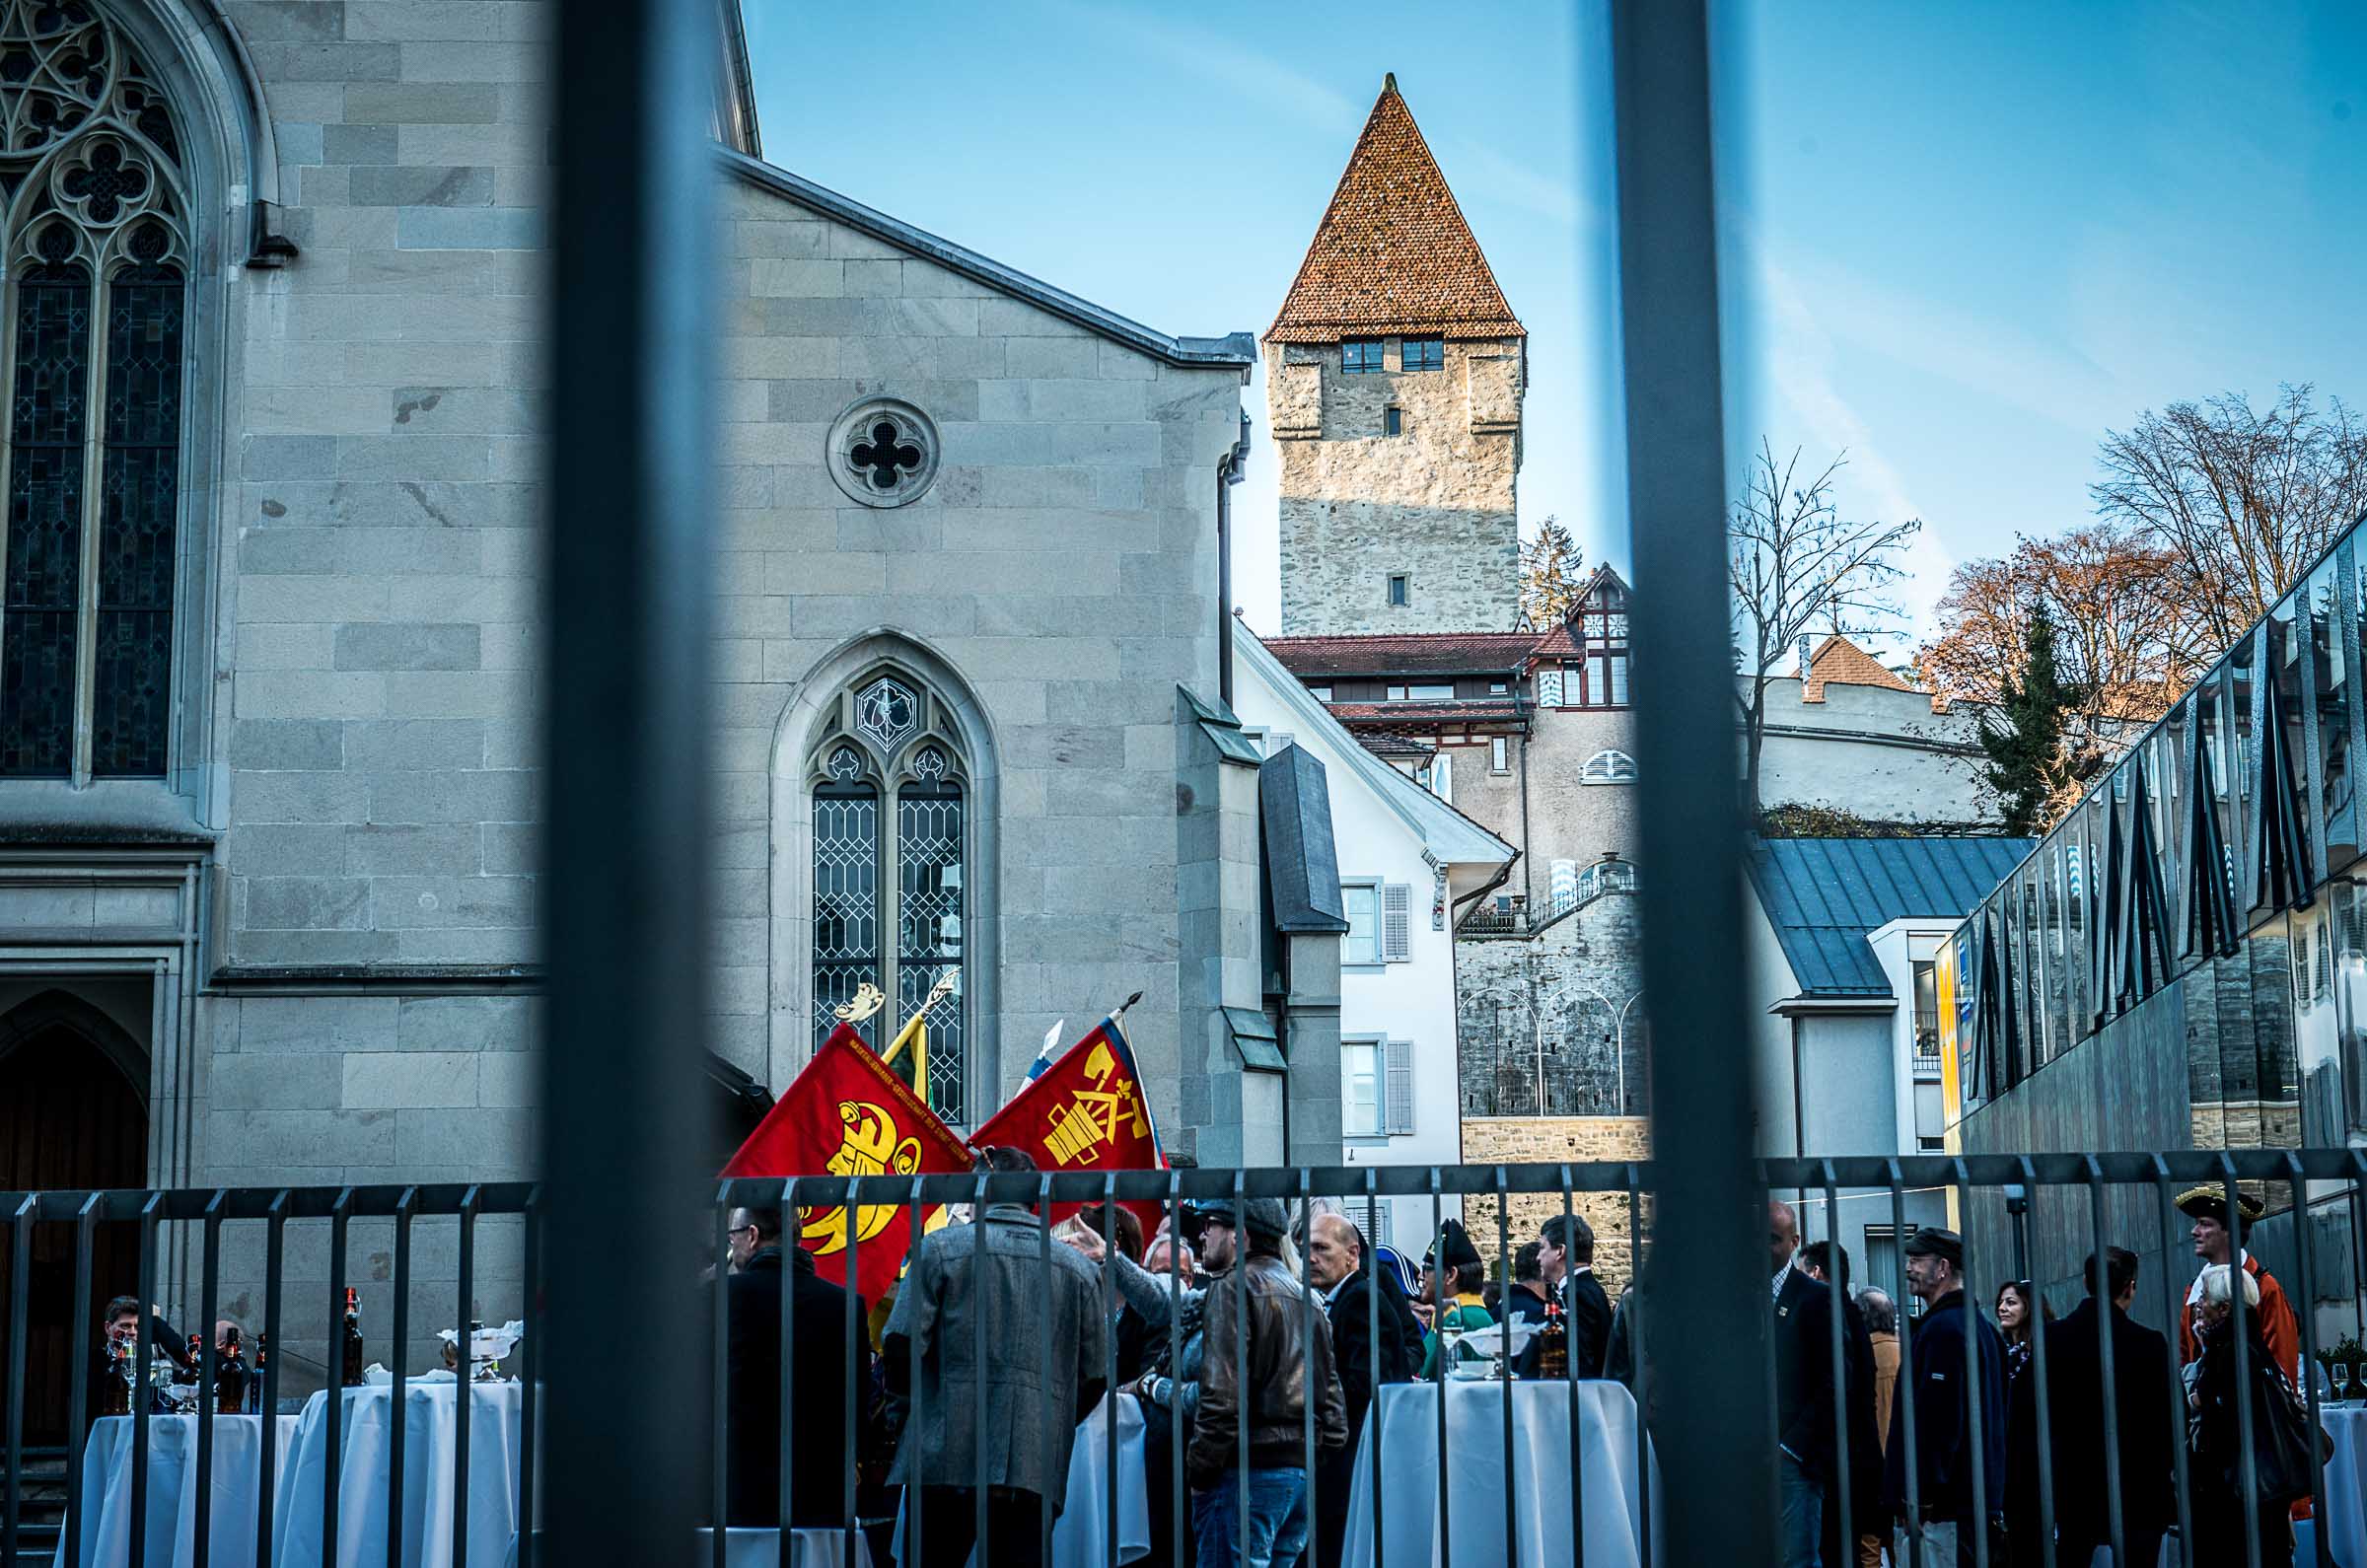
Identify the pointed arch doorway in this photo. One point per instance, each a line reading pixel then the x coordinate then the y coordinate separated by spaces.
pixel 73 1114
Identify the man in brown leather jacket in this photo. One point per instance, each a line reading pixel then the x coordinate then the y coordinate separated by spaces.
pixel 1269 1352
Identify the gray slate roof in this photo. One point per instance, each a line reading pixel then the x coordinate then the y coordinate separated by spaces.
pixel 1823 895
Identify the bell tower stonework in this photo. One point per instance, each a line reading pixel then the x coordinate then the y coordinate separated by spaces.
pixel 1395 372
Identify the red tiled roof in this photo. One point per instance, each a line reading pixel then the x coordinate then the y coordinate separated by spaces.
pixel 1479 710
pixel 1392 255
pixel 1842 663
pixel 1403 652
pixel 1391 747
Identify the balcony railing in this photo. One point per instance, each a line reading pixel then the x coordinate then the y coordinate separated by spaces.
pixel 2126 1200
pixel 1927 1043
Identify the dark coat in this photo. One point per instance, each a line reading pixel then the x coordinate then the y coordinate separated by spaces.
pixel 1363 1364
pixel 2148 1424
pixel 1589 1313
pixel 1938 1378
pixel 1865 1440
pixel 753 1416
pixel 1803 1350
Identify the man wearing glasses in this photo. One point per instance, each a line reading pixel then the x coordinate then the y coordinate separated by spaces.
pixel 760 1271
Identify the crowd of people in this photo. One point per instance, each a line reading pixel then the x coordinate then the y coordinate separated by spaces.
pixel 1983 1385
pixel 1212 1329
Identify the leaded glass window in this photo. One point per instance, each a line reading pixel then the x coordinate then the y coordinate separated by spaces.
pixel 890 793
pixel 97 286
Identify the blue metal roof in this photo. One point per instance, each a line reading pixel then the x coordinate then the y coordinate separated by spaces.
pixel 1823 895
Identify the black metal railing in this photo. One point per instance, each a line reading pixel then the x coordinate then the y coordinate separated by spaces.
pixel 1485 1198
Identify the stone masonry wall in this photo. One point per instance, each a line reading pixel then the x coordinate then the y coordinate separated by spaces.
pixel 1569 984
pixel 1435 502
pixel 1555 1140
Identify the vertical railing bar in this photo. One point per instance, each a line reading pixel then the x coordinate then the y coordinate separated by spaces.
pixel 2171 1323
pixel 915 1487
pixel 983 1297
pixel 2241 1324
pixel 463 1392
pixel 2106 1330
pixel 1838 1295
pixel 529 1371
pixel 140 1396
pixel 86 1226
pixel 1904 1390
pixel 1178 1512
pixel 1438 1307
pixel 201 1546
pixel 19 1327
pixel 2034 1322
pixel 2305 1258
pixel 267 1375
pixel 398 1389
pixel 848 1360
pixel 785 1505
pixel 1109 1371
pixel 719 1432
pixel 1512 1479
pixel 1240 1361
pixel 332 1411
pixel 1043 1249
pixel 1973 1321
pixel 1577 1426
pixel 1372 1329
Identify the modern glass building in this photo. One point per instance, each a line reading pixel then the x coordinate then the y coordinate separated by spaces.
pixel 2182 961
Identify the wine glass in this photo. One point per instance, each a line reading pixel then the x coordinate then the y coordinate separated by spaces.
pixel 1450 1341
pixel 2341 1375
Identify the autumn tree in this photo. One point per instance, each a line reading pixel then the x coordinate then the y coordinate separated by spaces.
pixel 2122 637
pixel 2023 735
pixel 2243 499
pixel 1795 563
pixel 1552 574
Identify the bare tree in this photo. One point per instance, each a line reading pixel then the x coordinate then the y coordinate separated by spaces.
pixel 2123 642
pixel 1796 564
pixel 2244 499
pixel 1552 574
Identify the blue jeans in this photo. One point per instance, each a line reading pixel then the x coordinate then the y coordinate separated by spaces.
pixel 1277 1523
pixel 1803 1513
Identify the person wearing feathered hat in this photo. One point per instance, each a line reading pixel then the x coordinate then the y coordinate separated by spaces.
pixel 2218 1240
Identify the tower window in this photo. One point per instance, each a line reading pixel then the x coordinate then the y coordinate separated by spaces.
pixel 1393 421
pixel 1360 356
pixel 1425 353
pixel 1401 591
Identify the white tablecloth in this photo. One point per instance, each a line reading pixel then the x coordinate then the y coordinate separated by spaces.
pixel 760 1548
pixel 171 1519
pixel 1540 1442
pixel 2345 1519
pixel 1081 1534
pixel 428 1440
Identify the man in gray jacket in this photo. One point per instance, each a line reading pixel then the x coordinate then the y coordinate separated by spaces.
pixel 977 1301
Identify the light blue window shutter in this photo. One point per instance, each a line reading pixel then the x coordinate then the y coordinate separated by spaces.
pixel 1397 923
pixel 1401 1086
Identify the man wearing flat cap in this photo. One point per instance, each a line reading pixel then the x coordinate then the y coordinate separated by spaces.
pixel 2216 1240
pixel 1950 1378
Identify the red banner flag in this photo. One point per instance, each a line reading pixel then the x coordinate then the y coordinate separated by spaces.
pixel 1087 1111
pixel 849 1115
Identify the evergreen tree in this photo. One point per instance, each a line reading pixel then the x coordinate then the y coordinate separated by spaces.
pixel 1552 574
pixel 2024 738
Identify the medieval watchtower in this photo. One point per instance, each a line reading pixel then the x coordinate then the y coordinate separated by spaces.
pixel 1395 372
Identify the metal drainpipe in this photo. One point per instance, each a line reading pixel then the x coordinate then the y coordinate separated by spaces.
pixel 1229 470
pixel 1528 879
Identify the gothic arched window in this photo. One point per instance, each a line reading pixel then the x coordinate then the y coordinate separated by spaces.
pixel 96 272
pixel 889 786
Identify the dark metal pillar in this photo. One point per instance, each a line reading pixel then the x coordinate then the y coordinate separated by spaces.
pixel 1707 1283
pixel 626 694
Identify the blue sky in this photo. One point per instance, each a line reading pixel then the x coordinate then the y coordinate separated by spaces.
pixel 1961 241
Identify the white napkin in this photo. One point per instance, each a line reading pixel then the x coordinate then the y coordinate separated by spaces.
pixel 376 1376
pixel 1487 1341
pixel 488 1344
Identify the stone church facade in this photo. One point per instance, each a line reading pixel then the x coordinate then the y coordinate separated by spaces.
pixel 270 775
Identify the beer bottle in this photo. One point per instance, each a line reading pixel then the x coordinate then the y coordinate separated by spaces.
pixel 353 1338
pixel 1553 1344
pixel 115 1390
pixel 230 1377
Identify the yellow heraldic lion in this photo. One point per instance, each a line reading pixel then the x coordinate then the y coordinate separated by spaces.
pixel 868 1146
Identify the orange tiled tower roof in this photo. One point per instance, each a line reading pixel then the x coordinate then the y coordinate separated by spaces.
pixel 1392 256
pixel 1842 663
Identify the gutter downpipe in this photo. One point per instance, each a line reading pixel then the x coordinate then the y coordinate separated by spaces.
pixel 1230 469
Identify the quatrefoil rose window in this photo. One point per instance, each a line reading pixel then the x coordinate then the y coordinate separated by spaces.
pixel 882 451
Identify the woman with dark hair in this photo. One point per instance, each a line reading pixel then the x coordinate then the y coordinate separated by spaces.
pixel 2020 1313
